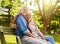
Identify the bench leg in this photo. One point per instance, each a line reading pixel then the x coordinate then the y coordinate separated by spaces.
pixel 18 40
pixel 2 38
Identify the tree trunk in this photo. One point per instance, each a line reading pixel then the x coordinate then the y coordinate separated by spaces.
pixel 44 28
pixel 49 31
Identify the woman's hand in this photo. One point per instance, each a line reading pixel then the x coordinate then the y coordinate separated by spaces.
pixel 43 38
pixel 31 35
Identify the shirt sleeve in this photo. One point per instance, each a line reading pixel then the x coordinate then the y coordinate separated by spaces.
pixel 21 26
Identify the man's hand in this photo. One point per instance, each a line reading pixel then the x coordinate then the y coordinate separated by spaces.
pixel 14 26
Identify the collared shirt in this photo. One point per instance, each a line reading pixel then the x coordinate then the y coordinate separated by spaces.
pixel 22 28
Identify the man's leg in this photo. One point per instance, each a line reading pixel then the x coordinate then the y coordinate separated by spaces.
pixel 50 39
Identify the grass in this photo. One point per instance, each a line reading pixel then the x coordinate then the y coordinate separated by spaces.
pixel 57 39
pixel 10 39
pixel 0 42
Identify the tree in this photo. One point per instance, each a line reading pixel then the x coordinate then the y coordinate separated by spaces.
pixel 13 7
pixel 46 9
pixel 47 12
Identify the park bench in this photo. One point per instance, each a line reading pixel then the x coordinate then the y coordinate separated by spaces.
pixel 8 31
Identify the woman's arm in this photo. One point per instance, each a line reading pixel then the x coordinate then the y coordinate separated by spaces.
pixel 39 32
pixel 41 35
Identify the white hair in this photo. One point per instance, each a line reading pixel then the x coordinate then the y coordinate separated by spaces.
pixel 23 7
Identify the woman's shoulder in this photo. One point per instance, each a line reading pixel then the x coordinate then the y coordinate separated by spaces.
pixel 32 22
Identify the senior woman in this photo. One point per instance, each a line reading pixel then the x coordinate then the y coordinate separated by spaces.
pixel 36 32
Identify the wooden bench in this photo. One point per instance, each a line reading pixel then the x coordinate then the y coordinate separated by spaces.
pixel 7 30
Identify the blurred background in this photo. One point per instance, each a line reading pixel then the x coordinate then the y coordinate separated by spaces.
pixel 45 12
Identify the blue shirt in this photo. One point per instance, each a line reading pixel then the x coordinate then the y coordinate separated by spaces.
pixel 22 28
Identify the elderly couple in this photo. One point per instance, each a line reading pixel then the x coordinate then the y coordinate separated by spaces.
pixel 27 29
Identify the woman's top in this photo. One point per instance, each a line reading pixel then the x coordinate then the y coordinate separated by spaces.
pixel 34 28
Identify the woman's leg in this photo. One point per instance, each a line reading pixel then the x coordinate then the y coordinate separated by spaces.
pixel 30 40
pixel 50 39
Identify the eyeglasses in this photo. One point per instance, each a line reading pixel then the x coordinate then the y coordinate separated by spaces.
pixel 25 9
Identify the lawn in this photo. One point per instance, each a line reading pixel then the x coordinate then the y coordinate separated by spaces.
pixel 10 39
pixel 57 39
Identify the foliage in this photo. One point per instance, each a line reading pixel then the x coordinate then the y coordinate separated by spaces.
pixel 41 14
pixel 13 5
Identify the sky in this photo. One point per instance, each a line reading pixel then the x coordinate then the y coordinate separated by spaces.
pixel 34 6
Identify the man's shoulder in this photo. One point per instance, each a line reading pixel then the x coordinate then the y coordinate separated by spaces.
pixel 18 15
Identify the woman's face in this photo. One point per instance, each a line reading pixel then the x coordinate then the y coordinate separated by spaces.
pixel 29 18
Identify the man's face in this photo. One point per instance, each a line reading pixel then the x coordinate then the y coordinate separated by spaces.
pixel 24 10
